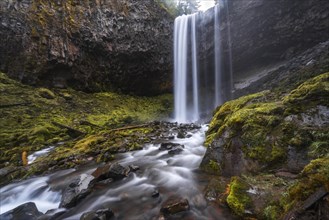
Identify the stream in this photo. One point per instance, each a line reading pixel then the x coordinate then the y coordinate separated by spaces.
pixel 161 177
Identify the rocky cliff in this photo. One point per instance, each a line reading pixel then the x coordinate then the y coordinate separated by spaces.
pixel 89 45
pixel 268 40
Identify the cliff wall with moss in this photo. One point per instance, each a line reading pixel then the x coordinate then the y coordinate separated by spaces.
pixel 88 45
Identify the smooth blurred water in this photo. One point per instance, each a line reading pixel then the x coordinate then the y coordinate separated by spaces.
pixel 172 176
pixel 34 190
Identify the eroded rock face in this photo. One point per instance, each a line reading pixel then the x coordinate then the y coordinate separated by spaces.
pixel 93 46
pixel 266 38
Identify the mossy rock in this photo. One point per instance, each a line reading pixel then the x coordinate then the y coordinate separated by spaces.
pixel 238 199
pixel 270 133
pixel 312 92
pixel 259 123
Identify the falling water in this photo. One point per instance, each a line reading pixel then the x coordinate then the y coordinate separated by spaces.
pixel 185 59
pixel 197 92
pixel 180 60
pixel 195 71
pixel 229 45
pixel 217 57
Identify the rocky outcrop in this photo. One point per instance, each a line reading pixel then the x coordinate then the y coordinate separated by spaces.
pixel 274 147
pixel 89 45
pixel 266 40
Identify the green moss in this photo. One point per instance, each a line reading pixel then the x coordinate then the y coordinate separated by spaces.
pixel 258 120
pixel 319 149
pixel 46 93
pixel 238 199
pixel 222 118
pixel 212 167
pixel 29 124
pixel 313 176
pixel 312 92
pixel 88 143
pixel 272 212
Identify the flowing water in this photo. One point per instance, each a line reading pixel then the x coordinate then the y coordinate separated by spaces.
pixel 198 91
pixel 31 158
pixel 217 59
pixel 172 176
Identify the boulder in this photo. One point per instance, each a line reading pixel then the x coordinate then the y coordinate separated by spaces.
pixel 172 148
pixel 77 190
pixel 27 211
pixel 101 214
pixel 114 171
pixel 169 146
pixel 174 206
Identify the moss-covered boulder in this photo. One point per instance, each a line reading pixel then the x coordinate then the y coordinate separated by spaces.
pixel 272 137
pixel 261 131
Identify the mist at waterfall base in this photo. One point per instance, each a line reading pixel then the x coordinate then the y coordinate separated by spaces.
pixel 199 85
pixel 131 197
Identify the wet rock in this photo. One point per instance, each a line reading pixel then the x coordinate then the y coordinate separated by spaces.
pixel 174 206
pixel 175 150
pixel 101 214
pixel 188 135
pixel 114 171
pixel 181 134
pixel 76 191
pixel 27 211
pixel 169 146
pixel 53 214
pixel 155 193
pixel 216 190
pixel 133 168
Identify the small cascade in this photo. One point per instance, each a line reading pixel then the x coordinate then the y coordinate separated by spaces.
pixel 198 90
pixel 35 190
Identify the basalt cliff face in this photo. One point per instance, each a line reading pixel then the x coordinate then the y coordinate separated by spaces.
pixel 271 43
pixel 89 45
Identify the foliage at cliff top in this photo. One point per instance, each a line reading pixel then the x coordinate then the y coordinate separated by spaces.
pixel 32 118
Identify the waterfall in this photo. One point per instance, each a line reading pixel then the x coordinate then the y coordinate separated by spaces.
pixel 197 92
pixel 217 60
pixel 185 60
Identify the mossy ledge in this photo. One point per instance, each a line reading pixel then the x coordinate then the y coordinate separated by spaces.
pixel 279 139
pixel 34 118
